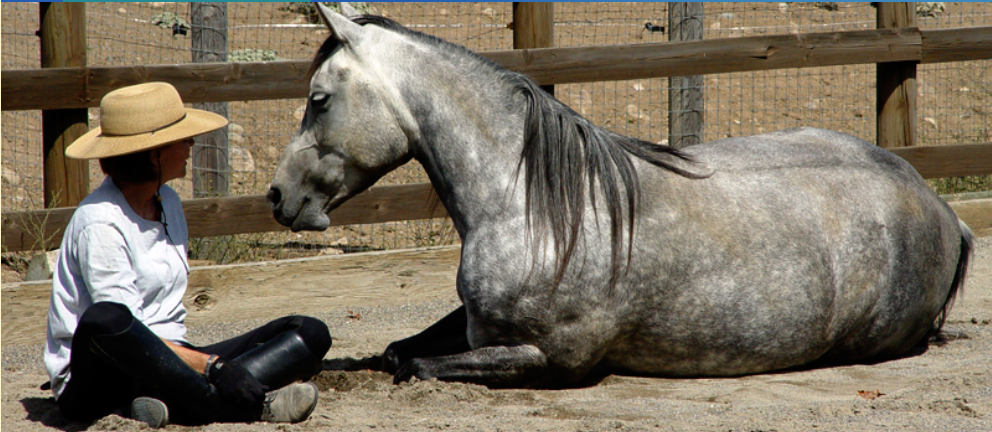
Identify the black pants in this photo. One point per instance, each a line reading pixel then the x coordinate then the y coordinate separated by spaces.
pixel 97 389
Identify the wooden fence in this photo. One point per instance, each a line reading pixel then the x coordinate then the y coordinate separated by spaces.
pixel 82 87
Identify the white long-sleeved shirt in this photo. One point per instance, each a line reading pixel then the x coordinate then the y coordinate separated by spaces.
pixel 109 253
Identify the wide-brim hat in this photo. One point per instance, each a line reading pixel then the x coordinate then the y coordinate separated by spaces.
pixel 142 117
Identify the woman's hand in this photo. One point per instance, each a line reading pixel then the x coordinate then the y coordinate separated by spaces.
pixel 233 382
pixel 236 384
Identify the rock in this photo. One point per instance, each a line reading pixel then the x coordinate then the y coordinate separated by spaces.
pixel 235 134
pixel 41 266
pixel 10 177
pixel 240 159
pixel 634 114
pixel 273 153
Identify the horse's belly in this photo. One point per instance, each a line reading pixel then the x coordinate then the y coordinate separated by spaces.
pixel 718 343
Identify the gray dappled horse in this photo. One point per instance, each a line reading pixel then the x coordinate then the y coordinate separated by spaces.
pixel 586 252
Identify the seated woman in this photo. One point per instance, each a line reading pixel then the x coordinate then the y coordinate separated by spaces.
pixel 116 332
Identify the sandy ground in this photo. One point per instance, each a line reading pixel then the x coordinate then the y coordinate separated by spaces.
pixel 947 388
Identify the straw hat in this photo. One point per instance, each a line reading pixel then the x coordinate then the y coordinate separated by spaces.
pixel 142 117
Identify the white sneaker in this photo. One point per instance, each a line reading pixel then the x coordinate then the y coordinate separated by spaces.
pixel 290 404
pixel 151 411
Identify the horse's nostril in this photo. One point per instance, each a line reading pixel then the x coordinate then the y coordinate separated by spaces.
pixel 274 196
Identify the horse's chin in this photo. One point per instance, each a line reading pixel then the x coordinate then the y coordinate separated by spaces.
pixel 310 221
pixel 315 217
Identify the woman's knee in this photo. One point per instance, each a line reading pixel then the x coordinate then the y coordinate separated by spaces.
pixel 106 318
pixel 314 333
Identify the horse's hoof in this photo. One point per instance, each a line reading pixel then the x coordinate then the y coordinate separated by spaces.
pixel 419 368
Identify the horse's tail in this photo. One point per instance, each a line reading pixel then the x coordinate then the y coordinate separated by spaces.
pixel 957 284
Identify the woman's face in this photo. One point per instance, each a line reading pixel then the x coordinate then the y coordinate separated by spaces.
pixel 172 159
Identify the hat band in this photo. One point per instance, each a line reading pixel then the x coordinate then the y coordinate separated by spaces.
pixel 151 131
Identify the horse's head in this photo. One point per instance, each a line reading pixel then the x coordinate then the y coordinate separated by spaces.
pixel 356 128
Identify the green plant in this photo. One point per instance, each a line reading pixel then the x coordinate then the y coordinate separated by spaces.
pixel 34 226
pixel 309 10
pixel 954 185
pixel 169 20
pixel 252 55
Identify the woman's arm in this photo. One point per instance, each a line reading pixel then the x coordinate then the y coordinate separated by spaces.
pixel 193 358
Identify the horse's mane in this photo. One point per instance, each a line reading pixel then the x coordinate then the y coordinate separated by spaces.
pixel 563 156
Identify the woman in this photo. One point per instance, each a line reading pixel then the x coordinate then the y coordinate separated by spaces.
pixel 116 333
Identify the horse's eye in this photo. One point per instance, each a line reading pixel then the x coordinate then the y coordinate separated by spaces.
pixel 319 101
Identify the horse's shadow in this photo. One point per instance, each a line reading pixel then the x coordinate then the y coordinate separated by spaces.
pixel 350 364
pixel 44 410
pixel 373 364
pixel 333 368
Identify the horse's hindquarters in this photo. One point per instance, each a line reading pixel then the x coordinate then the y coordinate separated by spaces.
pixel 764 268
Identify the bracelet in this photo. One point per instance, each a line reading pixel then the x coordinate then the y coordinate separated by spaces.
pixel 210 363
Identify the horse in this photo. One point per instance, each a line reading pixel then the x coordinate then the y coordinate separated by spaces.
pixel 586 253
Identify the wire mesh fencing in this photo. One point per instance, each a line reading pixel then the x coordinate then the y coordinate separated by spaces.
pixel 953 98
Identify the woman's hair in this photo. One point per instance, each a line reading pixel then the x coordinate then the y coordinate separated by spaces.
pixel 130 168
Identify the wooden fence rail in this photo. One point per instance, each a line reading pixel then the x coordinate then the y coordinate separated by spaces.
pixel 212 82
pixel 42 229
pixel 64 88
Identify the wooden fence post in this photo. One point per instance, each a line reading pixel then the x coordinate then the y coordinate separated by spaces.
pixel 534 27
pixel 895 104
pixel 211 172
pixel 685 93
pixel 63 44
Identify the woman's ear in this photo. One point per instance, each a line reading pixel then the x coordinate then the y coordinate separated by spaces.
pixel 156 156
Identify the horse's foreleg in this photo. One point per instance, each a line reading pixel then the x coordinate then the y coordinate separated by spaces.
pixel 445 337
pixel 495 366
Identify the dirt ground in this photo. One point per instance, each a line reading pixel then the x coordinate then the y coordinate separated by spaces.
pixel 946 388
pixel 953 99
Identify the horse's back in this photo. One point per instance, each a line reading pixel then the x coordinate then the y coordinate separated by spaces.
pixel 798 148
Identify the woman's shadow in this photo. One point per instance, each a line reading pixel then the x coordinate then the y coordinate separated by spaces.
pixel 44 410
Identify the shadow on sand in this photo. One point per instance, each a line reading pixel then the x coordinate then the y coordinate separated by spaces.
pixel 46 412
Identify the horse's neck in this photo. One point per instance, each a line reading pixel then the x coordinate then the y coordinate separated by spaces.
pixel 470 151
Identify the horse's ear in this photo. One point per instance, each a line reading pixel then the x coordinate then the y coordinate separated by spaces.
pixel 348 11
pixel 340 26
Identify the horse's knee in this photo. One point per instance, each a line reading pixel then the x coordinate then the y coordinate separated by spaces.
pixel 392 357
